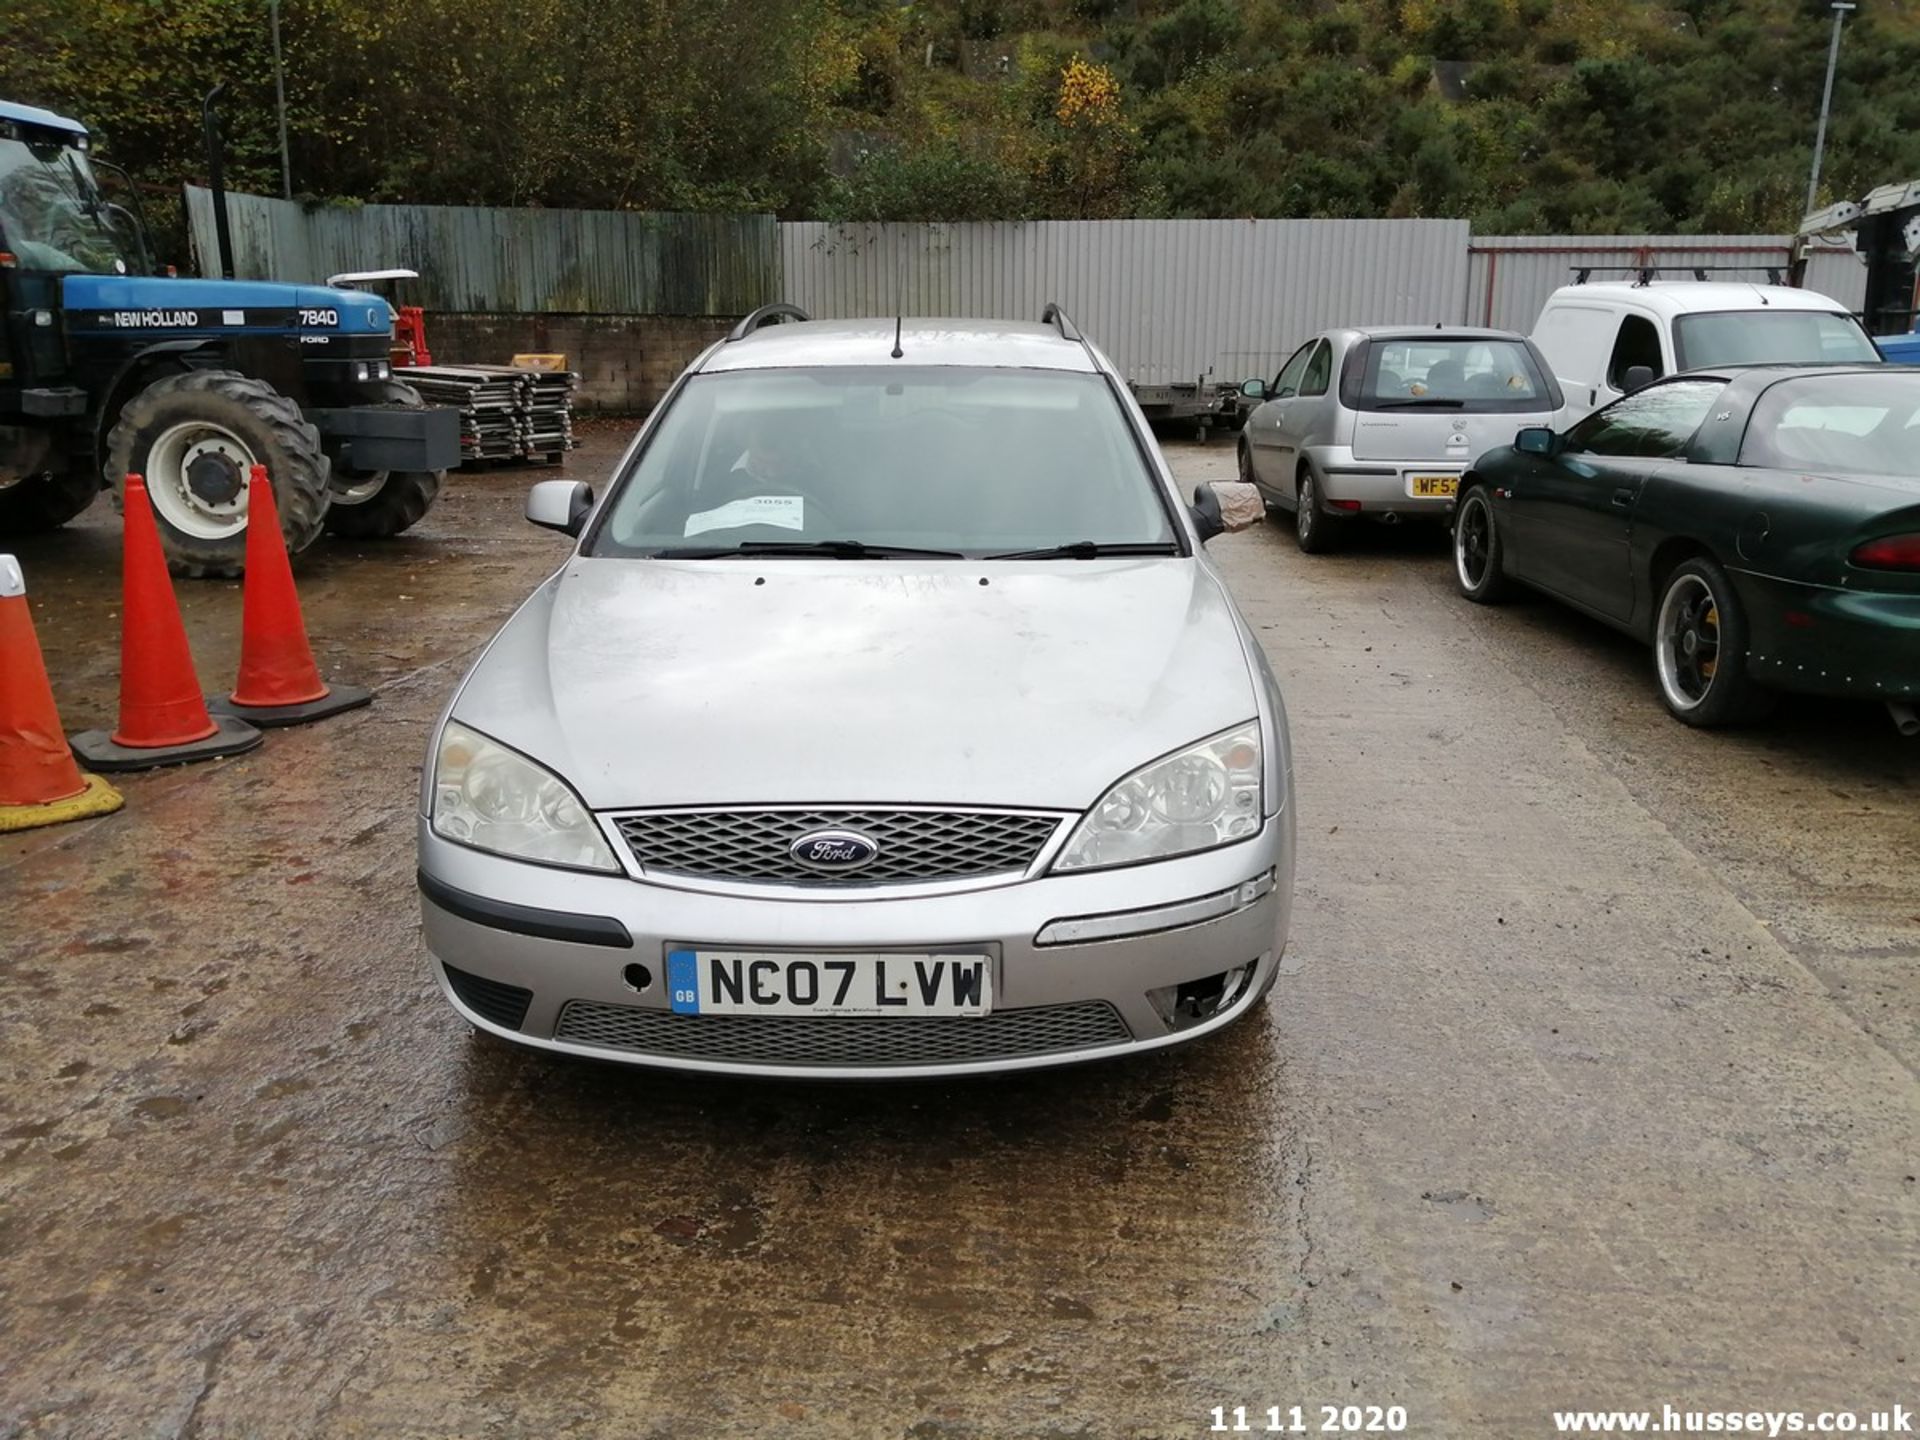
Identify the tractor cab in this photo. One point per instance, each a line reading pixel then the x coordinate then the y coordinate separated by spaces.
pixel 55 219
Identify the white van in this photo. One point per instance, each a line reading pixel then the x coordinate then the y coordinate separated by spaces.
pixel 1604 339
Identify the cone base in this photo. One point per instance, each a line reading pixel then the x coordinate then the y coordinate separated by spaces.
pixel 230 737
pixel 338 698
pixel 98 798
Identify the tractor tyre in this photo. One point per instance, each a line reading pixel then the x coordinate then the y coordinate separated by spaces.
pixel 374 504
pixel 194 437
pixel 46 502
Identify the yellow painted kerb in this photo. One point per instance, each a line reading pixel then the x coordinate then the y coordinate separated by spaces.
pixel 99 798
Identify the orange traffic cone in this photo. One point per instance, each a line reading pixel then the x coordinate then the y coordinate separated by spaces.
pixel 163 720
pixel 39 783
pixel 279 684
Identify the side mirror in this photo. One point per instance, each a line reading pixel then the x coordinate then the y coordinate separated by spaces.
pixel 1206 513
pixel 1638 377
pixel 1253 389
pixel 1538 440
pixel 561 505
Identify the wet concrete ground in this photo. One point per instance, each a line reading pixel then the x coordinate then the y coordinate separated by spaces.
pixel 1591 1083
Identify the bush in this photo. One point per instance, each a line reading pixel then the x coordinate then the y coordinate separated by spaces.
pixel 935 182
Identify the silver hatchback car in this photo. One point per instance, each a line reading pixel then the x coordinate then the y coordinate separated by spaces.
pixel 1383 421
pixel 888 719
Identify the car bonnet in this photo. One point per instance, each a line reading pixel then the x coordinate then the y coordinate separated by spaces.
pixel 1016 684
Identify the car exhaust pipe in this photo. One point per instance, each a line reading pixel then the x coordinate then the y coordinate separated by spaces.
pixel 1905 718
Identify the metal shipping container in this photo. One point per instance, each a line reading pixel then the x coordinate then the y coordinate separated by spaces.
pixel 1169 301
pixel 1511 276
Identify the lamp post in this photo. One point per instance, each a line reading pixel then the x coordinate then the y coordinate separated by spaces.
pixel 1840 9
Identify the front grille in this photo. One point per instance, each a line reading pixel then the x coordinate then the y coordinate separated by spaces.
pixel 504 1004
pixel 849 1040
pixel 913 845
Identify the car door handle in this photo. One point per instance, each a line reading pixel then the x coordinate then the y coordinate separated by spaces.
pixel 1623 499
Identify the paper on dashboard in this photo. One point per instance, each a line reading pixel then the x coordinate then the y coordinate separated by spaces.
pixel 785 511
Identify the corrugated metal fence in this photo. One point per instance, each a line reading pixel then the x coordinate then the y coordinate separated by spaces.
pixel 1168 300
pixel 581 262
pixel 1510 276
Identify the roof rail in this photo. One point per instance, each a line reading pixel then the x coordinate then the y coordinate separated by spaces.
pixel 1053 315
pixel 779 310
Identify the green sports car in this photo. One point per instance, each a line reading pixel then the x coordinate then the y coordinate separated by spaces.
pixel 1760 527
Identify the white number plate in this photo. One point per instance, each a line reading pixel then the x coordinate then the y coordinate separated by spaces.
pixel 752 982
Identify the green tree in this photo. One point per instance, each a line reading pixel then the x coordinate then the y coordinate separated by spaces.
pixel 1656 114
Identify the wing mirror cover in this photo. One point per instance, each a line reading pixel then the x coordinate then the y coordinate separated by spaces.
pixel 1223 506
pixel 561 505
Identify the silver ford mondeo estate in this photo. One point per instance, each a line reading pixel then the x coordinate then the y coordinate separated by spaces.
pixel 887 720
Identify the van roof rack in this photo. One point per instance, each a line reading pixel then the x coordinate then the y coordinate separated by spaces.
pixel 1647 274
pixel 779 310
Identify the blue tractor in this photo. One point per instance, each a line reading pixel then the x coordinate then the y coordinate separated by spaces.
pixel 110 366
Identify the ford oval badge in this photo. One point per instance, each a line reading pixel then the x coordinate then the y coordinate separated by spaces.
pixel 833 850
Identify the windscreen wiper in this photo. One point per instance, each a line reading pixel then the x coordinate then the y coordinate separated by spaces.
pixel 1088 550
pixel 833 549
pixel 1421 405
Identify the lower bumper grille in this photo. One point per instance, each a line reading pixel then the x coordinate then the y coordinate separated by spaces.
pixel 849 1040
pixel 502 1004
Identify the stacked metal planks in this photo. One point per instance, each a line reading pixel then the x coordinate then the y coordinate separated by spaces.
pixel 505 413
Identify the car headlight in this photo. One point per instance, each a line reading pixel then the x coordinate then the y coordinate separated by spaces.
pixel 493 798
pixel 1200 797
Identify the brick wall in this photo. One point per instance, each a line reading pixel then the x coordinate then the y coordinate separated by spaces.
pixel 625 362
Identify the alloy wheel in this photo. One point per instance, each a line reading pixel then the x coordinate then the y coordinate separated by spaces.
pixel 1688 639
pixel 1473 541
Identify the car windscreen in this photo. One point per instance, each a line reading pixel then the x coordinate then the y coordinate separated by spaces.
pixel 1476 375
pixel 1759 337
pixel 969 460
pixel 1846 423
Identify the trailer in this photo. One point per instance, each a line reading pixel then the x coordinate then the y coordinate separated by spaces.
pixel 1201 402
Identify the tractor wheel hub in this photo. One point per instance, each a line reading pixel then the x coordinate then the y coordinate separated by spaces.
pixel 214 477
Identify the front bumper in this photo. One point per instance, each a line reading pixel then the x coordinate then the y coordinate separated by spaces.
pixel 1041 992
pixel 1821 641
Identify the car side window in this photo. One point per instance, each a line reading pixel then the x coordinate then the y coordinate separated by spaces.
pixel 1638 343
pixel 1655 423
pixel 1287 382
pixel 1319 371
